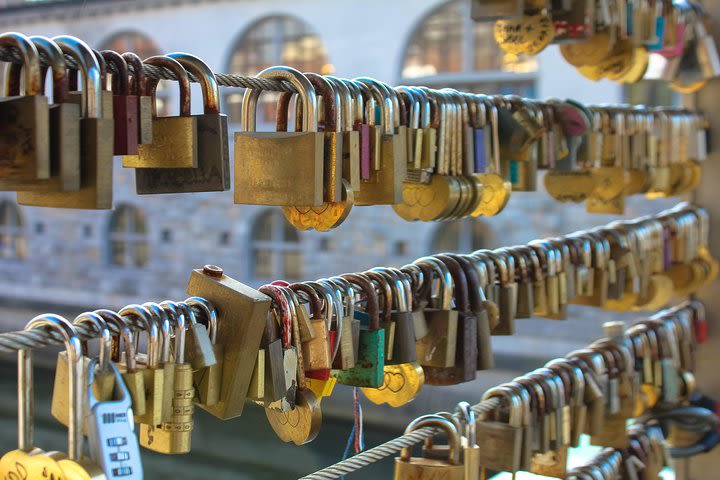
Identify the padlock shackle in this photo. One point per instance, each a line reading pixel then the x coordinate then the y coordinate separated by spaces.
pixel 182 78
pixel 147 319
pixel 372 307
pixel 447 283
pixel 436 421
pixel 57 65
pixel 31 60
pixel 382 98
pixel 331 101
pixel 136 73
pixel 211 317
pixel 385 290
pixel 73 347
pixel 162 320
pixel 312 297
pixel 462 302
pixel 99 326
pixel 345 107
pixel 91 76
pixel 208 82
pixel 119 80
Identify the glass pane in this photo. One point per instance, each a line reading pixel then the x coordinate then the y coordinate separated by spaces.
pixel 20 250
pixel 117 252
pixel 292 264
pixel 141 254
pixel 263 228
pixel 263 263
pixel 140 226
pixel 290 233
pixel 437 45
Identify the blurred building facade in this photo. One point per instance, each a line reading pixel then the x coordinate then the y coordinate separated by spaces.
pixel 145 247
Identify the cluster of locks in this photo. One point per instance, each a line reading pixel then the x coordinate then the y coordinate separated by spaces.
pixel 432 154
pixel 387 331
pixel 624 41
pixel 595 391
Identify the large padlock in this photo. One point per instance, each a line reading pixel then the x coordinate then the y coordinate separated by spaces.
pixel 25 121
pixel 241 312
pixel 95 150
pixel 501 441
pixel 438 347
pixel 64 125
pixel 408 468
pixel 213 158
pixel 267 176
pixel 174 142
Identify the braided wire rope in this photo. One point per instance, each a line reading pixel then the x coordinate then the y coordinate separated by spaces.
pixel 368 457
pixel 11 54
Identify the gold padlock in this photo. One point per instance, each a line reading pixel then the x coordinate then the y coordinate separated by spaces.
pixel 409 468
pixel 208 380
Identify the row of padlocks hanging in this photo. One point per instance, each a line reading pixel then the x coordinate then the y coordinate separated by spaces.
pixel 432 154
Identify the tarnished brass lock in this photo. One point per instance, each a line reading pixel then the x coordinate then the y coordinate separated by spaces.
pixel 95 151
pixel 315 341
pixel 174 142
pixel 408 468
pixel 501 442
pixel 208 380
pixel 280 168
pixel 64 125
pixel 213 161
pixel 174 436
pixel 25 121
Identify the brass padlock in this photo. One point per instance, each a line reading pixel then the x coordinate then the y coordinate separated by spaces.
pixel 501 441
pixel 64 125
pixel 104 378
pixel 241 313
pixel 174 142
pixel 280 168
pixel 407 467
pixel 175 435
pixel 25 121
pixel 315 341
pixel 95 151
pixel 208 380
pixel 213 161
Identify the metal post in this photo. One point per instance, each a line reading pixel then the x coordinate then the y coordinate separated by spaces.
pixel 708 380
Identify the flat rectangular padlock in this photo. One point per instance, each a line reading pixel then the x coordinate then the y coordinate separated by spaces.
pixel 241 312
pixel 280 168
pixel 213 169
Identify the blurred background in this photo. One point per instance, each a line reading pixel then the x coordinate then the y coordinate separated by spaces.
pixel 67 261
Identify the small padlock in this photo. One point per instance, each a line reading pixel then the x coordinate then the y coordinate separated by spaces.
pixel 145 101
pixel 208 380
pixel 125 106
pixel 407 467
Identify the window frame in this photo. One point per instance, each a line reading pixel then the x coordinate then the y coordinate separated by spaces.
pixel 129 238
pixel 278 245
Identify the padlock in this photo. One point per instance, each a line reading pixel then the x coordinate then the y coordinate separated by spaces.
pixel 213 158
pixel 465 364
pixel 276 386
pixel 25 120
pixel 145 101
pixel 29 461
pixel 105 380
pixel 125 106
pixel 438 347
pixel 241 312
pixel 351 106
pixel 384 187
pixel 208 380
pixel 158 371
pixel 407 467
pixel 404 340
pixel 174 436
pixel 64 125
pixel 267 177
pixel 471 450
pixel 369 369
pixel 501 441
pixel 76 465
pixel 132 375
pixel 175 139
pixel 110 426
pixel 344 309
pixel 95 150
pixel 315 341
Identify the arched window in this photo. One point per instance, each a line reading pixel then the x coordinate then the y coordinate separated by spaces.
pixel 462 237
pixel 145 47
pixel 275 248
pixel 449 49
pixel 275 40
pixel 12 234
pixel 128 237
